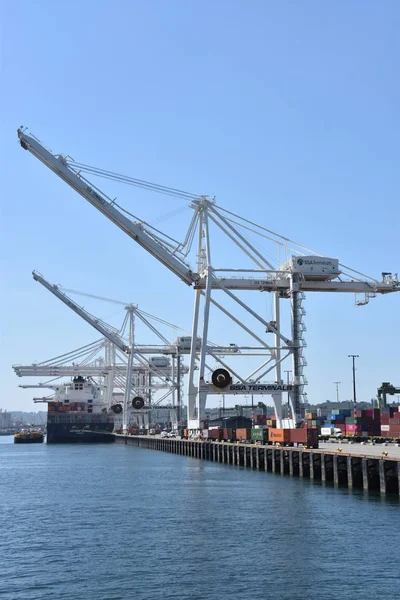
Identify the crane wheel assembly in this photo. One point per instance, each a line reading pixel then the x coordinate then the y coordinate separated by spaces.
pixel 117 409
pixel 138 402
pixel 221 378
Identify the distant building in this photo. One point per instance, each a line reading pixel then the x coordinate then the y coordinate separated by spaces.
pixel 29 418
pixel 5 419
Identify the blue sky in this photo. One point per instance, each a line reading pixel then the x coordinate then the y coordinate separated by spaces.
pixel 286 111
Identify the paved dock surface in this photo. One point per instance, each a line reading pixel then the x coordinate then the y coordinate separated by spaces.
pixel 356 449
pixel 362 450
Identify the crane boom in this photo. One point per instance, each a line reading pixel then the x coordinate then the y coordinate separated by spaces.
pixel 137 231
pixel 115 339
pixel 104 204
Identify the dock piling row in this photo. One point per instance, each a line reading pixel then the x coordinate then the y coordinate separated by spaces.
pixel 351 471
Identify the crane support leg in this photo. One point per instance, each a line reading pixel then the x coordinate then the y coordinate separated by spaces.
pixel 192 388
pixel 295 396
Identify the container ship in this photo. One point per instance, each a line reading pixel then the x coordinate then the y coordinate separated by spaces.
pixel 78 414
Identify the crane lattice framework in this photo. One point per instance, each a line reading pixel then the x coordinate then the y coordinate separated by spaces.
pixel 101 362
pixel 296 270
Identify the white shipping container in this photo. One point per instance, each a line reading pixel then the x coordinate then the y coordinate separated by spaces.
pixel 331 431
pixel 326 430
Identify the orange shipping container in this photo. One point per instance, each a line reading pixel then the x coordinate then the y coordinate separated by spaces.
pixel 279 435
pixel 243 434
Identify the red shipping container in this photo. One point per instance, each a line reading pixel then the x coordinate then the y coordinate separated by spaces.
pixel 354 429
pixel 305 435
pixel 373 413
pixel 215 433
pixel 229 434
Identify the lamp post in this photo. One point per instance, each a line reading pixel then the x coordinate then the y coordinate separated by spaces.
pixel 354 356
pixel 337 390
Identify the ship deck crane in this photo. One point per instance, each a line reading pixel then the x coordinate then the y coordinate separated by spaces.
pixel 287 280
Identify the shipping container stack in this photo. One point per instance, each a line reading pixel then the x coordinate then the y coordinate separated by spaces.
pixel 364 423
pixel 260 420
pixel 271 421
pixel 313 420
pixel 390 422
pixel 74 407
pixel 337 418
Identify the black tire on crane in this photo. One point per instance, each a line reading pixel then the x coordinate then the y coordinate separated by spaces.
pixel 221 378
pixel 117 409
pixel 138 402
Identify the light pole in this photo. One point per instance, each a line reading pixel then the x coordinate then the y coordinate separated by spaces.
pixel 354 356
pixel 288 397
pixel 337 390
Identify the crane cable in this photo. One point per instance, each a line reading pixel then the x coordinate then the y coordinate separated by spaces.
pixel 189 196
pixel 286 239
pixel 153 187
pixel 176 246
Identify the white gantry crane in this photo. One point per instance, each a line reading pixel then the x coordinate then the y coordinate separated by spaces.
pixel 143 376
pixel 100 362
pixel 294 271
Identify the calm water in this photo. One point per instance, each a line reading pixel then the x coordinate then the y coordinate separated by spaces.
pixel 116 522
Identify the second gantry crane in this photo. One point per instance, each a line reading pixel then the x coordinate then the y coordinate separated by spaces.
pixel 152 369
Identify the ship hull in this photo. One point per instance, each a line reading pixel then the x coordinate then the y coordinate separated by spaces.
pixel 67 433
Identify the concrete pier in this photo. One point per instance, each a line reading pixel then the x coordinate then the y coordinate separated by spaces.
pixel 352 470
